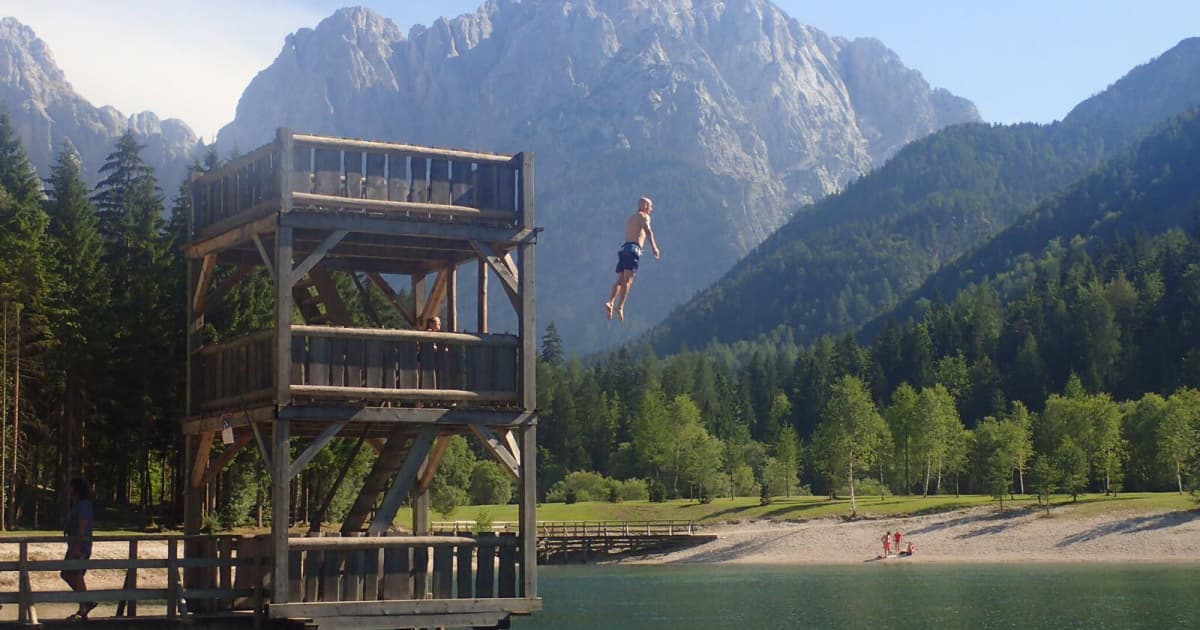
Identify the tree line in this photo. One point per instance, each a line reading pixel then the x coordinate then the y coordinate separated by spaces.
pixel 1074 371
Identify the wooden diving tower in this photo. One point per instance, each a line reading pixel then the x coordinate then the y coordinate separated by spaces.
pixel 326 216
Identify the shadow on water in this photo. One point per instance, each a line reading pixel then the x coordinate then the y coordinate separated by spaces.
pixel 1132 525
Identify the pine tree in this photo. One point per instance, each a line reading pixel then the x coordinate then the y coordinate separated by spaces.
pixel 552 347
pixel 74 250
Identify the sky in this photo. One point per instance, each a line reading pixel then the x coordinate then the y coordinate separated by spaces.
pixel 1017 60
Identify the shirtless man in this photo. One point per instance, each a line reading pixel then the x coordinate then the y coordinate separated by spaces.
pixel 636 231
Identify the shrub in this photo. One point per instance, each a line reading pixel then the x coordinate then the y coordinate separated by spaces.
pixel 581 485
pixel 490 484
pixel 630 490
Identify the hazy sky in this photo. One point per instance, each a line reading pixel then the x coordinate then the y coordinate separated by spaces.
pixel 1020 60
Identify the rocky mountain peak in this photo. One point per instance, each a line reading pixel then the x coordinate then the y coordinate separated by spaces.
pixel 730 112
pixel 48 113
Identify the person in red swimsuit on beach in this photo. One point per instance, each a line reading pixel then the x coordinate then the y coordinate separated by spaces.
pixel 896 541
pixel 887 544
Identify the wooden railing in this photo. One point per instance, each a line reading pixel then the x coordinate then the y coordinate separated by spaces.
pixel 386 364
pixel 249 184
pixel 580 528
pixel 235 373
pixel 347 174
pixel 361 569
pixel 211 566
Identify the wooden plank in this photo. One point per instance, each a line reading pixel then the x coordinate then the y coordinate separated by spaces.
pixel 349 143
pixel 498 449
pixel 373 352
pixel 207 266
pixel 439 182
pixel 403 482
pixel 355 179
pixel 397 164
pixel 331 572
pixel 312 574
pixel 505 370
pixel 330 391
pixel 352 579
pixel 391 296
pixel 462 189
pixel 281 434
pixel 495 260
pixel 225 570
pixel 328 169
pixel 337 364
pixel 232 237
pixel 418 188
pixel 481 305
pixel 527 327
pixel 397 583
pixel 464 580
pixel 299 360
pixel 485 567
pixel 525 199
pixel 301 180
pixel 318 253
pixel 498 340
pixel 391 374
pixel 443 572
pixel 487 187
pixel 420 571
pixel 368 224
pixel 296 582
pixel 172 579
pixel 370 573
pixel 507 576
pixel 528 510
pixel 200 463
pixel 314 448
pixel 319 358
pixel 409 415
pixel 243 438
pixel 335 308
pixel 506 189
pixel 406 365
pixel 431 464
pixel 354 363
pixel 377 181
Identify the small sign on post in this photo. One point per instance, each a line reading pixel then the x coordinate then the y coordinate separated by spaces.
pixel 227 429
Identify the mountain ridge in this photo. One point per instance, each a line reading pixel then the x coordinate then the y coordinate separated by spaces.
pixel 47 112
pixel 730 114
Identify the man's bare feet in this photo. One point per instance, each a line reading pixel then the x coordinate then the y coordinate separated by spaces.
pixel 620 313
pixel 608 309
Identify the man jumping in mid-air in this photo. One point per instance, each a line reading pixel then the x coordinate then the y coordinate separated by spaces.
pixel 636 231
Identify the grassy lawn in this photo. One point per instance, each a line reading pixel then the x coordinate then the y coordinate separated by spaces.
pixel 793 508
pixel 798 508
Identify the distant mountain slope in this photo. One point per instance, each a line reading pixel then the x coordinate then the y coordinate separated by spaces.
pixel 853 256
pixel 729 113
pixel 1148 190
pixel 47 111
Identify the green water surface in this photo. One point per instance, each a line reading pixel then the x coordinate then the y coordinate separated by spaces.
pixel 873 595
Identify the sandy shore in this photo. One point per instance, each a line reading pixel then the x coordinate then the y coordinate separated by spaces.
pixel 966 536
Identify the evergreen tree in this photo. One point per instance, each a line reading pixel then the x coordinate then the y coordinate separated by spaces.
pixel 552 349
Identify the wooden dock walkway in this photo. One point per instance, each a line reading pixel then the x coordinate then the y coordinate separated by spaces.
pixel 565 542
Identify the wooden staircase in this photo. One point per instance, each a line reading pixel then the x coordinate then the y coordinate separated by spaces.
pixel 317 297
pixel 383 473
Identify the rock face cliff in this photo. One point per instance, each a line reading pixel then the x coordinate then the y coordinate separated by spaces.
pixel 47 112
pixel 731 114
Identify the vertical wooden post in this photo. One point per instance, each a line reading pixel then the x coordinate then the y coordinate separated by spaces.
pixel 482 305
pixel 451 323
pixel 280 439
pixel 172 579
pixel 527 265
pixel 528 510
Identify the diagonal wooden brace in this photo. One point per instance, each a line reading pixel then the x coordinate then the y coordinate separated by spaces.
pixel 391 296
pixel 314 448
pixel 499 449
pixel 499 264
pixel 227 456
pixel 425 478
pixel 317 254
pixel 404 481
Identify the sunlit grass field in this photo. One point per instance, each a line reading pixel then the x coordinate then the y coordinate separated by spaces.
pixel 784 508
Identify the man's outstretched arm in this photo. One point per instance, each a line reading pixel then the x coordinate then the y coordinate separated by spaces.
pixel 653 242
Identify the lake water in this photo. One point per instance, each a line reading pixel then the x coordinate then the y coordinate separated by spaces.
pixel 874 595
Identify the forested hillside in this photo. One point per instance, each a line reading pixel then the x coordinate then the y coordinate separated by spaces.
pixel 1103 314
pixel 851 257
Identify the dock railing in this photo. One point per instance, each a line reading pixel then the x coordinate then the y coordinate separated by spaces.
pixel 581 528
pixel 210 585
